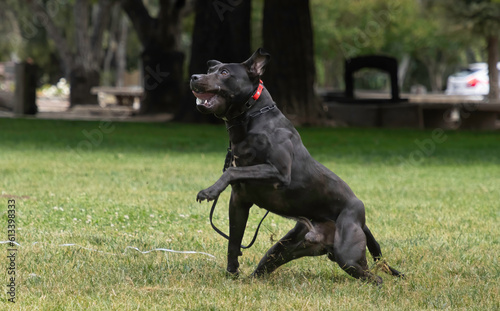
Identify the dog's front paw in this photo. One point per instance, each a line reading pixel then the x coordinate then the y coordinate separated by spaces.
pixel 232 271
pixel 207 194
pixel 233 274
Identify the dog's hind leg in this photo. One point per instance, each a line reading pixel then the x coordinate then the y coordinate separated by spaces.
pixel 350 243
pixel 374 249
pixel 292 246
pixel 372 244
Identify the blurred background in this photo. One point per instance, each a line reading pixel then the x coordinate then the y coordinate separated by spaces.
pixel 133 58
pixel 350 73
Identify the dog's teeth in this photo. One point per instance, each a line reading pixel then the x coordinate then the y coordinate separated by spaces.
pixel 206 102
pixel 199 101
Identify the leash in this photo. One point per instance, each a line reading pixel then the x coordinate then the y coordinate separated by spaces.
pixel 227 164
pixel 11 243
pixel 226 236
pixel 229 156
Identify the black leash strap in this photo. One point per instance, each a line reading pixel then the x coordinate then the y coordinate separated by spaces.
pixel 226 236
pixel 227 164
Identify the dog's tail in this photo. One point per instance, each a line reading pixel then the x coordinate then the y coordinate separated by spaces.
pixel 376 252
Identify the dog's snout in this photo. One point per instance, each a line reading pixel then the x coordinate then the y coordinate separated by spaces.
pixel 195 77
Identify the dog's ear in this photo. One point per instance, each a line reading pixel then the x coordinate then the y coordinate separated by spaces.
pixel 212 63
pixel 257 62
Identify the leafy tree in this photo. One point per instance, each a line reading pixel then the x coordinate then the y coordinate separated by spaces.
pixel 414 32
pixel 424 34
pixel 344 29
pixel 10 32
pixel 82 61
pixel 22 38
pixel 481 17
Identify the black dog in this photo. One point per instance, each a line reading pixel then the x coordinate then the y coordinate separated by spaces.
pixel 273 170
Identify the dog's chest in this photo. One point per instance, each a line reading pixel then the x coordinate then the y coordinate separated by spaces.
pixel 234 163
pixel 246 160
pixel 240 159
pixel 252 151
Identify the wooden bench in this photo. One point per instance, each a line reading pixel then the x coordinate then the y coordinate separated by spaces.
pixel 429 111
pixel 124 95
pixel 457 112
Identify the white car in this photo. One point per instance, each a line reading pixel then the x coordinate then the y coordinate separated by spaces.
pixel 471 81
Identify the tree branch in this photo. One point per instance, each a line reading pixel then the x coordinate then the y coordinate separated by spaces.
pixel 81 13
pixel 140 18
pixel 169 18
pixel 55 34
pixel 99 24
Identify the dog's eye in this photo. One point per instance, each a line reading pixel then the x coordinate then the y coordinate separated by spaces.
pixel 224 72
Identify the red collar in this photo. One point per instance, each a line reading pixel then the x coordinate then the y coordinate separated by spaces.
pixel 250 102
pixel 257 93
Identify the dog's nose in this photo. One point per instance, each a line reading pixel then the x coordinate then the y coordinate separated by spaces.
pixel 195 77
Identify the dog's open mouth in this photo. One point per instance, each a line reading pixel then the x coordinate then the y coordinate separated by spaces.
pixel 205 99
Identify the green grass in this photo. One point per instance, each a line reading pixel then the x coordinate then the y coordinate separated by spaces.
pixel 436 218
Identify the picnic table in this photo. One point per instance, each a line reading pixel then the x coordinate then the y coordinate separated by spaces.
pixel 473 113
pixel 418 111
pixel 125 95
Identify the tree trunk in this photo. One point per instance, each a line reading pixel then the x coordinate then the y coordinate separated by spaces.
pixel 404 65
pixel 81 81
pixel 492 67
pixel 432 78
pixel 221 32
pixel 288 36
pixel 163 77
pixel 86 70
pixel 113 38
pixel 161 57
pixel 121 52
pixel 83 66
pixel 435 68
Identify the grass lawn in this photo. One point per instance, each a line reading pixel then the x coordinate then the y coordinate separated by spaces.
pixel 432 201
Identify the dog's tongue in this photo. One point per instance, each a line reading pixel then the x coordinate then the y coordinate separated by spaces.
pixel 203 96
